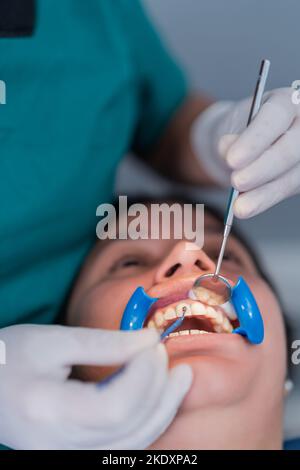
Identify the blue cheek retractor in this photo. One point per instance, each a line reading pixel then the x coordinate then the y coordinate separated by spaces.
pixel 248 313
pixel 136 310
pixel 250 319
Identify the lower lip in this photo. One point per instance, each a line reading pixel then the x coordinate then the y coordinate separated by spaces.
pixel 194 344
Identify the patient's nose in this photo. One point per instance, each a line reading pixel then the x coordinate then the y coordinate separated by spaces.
pixel 183 260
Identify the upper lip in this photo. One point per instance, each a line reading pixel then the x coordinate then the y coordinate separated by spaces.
pixel 168 294
pixel 176 289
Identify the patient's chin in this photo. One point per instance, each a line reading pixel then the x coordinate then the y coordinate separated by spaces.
pixel 217 382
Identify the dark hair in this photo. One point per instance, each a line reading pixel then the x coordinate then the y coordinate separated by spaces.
pixel 218 215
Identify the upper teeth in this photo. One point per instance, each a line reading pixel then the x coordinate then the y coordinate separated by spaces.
pixel 169 314
pixel 159 318
pixel 219 322
pixel 207 296
pixel 183 308
pixel 229 309
pixel 198 309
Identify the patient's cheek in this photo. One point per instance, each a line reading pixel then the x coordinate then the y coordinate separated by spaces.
pixel 100 310
pixel 274 344
pixel 268 304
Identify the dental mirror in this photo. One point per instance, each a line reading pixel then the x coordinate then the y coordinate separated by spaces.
pixel 211 289
pixel 215 289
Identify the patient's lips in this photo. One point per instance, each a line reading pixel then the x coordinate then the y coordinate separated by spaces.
pixel 200 316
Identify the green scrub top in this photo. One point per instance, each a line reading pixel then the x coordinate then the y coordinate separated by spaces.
pixel 92 83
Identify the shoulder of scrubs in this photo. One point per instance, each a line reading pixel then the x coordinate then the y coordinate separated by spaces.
pixel 162 84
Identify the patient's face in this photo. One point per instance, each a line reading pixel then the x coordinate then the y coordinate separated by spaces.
pixel 227 369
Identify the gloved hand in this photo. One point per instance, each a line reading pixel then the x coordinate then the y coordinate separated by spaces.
pixel 263 160
pixel 41 409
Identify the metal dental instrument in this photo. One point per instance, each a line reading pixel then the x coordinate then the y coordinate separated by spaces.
pixel 211 281
pixel 234 193
pixel 174 325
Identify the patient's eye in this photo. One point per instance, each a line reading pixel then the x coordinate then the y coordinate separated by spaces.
pixel 229 256
pixel 127 262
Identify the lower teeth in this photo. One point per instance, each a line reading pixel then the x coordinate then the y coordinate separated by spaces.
pixel 189 332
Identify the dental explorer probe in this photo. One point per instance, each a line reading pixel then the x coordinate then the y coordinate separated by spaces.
pixel 234 193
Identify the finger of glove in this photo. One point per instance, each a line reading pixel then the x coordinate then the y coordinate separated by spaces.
pixel 277 160
pixel 178 385
pixel 110 410
pixel 225 143
pixel 89 346
pixel 260 199
pixel 273 119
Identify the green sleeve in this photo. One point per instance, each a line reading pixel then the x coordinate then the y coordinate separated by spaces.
pixel 161 83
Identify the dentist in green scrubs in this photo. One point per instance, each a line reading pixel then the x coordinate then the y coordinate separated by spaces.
pixel 87 82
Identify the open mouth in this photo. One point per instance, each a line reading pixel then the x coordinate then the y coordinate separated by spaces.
pixel 200 317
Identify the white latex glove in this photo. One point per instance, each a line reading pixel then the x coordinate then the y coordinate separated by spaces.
pixel 263 160
pixel 40 408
